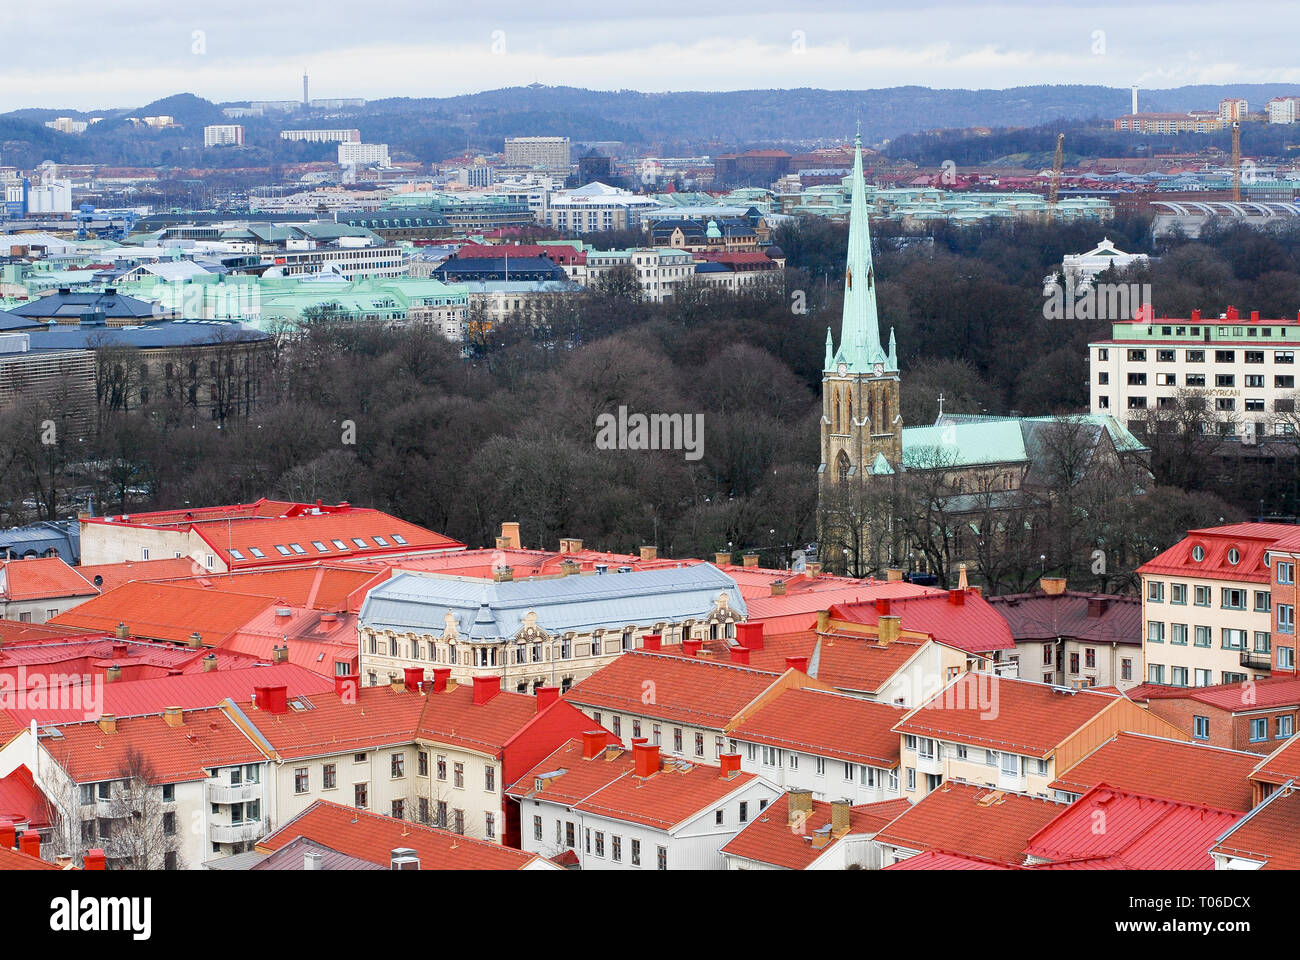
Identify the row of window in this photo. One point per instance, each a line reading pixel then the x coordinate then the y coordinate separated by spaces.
pixel 397 771
pixel 1230 598
pixel 1284 727
pixel 1010 764
pixel 1139 355
pixel 1229 638
pixel 565 836
pixel 1250 381
pixel 297 549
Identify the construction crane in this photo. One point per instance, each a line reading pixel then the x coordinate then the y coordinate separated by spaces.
pixel 1236 161
pixel 1058 161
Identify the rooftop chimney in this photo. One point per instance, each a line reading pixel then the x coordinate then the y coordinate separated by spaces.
pixel 957 597
pixel 173 717
pixel 645 757
pixel 485 688
pixel 593 743
pixel 503 574
pixel 1052 586
pixel 729 764
pixel 893 574
pixel 721 559
pixel 546 696
pixel 121 631
pixel 800 802
pixel 649 553
pixel 108 723
pixel 882 606
pixel 1196 316
pixel 751 559
pixel 778 588
pixel 272 699
pixel 651 641
pixel 797 663
pixel 1097 606
pixel 94 860
pixel 569 567
pixel 280 654
pixel 403 858
pixel 888 630
pixel 412 677
pixel 510 534
pixel 823 620
pixel 8 835
pixel 839 817
pixel 570 545
pixel 346 687
pixel 30 844
pixel 691 647
pixel 196 639
pixel 740 655
pixel 311 860
pixel 750 635
pixel 209 663
pixel 440 677
pixel 812 569
pixel 112 674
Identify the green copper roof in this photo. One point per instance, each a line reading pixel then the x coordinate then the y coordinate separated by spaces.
pixel 860 345
pixel 962 444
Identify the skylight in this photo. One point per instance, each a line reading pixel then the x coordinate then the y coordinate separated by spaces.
pixel 320 546
pixel 297 548
pixel 283 550
pixel 236 554
pixel 256 552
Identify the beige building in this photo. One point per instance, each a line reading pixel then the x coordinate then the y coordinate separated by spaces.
pixel 1207 607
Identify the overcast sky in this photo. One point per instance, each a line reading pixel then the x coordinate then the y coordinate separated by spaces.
pixel 85 55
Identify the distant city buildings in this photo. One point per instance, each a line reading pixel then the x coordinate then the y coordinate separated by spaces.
pixel 547 153
pixel 322 136
pixel 223 135
pixel 363 154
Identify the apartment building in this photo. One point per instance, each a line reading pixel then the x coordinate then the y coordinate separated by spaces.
pixel 223 135
pixel 1283 109
pixel 536 633
pixel 322 136
pixel 1243 368
pixel 1281 559
pixel 614 808
pixel 363 154
pixel 596 207
pixel 1009 734
pixel 658 269
pixel 551 153
pixel 1207 607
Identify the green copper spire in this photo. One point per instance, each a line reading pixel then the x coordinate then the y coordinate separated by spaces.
pixel 860 344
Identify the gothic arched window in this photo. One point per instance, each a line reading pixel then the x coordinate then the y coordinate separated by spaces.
pixel 843 466
pixel 835 404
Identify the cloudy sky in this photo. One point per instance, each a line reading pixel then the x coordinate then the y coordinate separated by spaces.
pixel 91 54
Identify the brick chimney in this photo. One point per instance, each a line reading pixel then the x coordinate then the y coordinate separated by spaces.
pixel 122 631
pixel 485 688
pixel 440 677
pixel 173 717
pixel 280 654
pixel 800 802
pixel 510 534
pixel 750 635
pixel 813 569
pixel 272 699
pixel 691 647
pixel 839 817
pixel 893 574
pixel 8 834
pixel 882 606
pixel 823 621
pixel 412 677
pixel 1052 586
pixel 729 764
pixel 94 860
pixel 503 574
pixel 888 630
pixel 751 559
pixel 196 639
pixel 569 567
pixel 797 663
pixel 113 674
pixel 546 696
pixel 570 545
pixel 1097 606
pixel 649 553
pixel 108 723
pixel 778 588
pixel 645 759
pixel 721 559
pixel 593 743
pixel 957 597
pixel 740 655
pixel 652 641
pixel 209 663
pixel 30 844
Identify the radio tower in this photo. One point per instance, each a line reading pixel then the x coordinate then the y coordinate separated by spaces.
pixel 306 101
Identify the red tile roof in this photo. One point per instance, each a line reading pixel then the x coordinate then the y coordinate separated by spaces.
pixel 973 821
pixel 373 837
pixel 1270 692
pixel 1271 833
pixel 167 611
pixel 37 578
pixel 113 575
pixel 695 691
pixel 1187 772
pixel 973 626
pixel 1281 765
pixel 827 724
pixel 1045 616
pixel 771 658
pixel 939 860
pixel 22 801
pixel 16 631
pixel 1251 540
pixel 13 860
pixel 207 738
pixel 1139 832
pixel 315 586
pixel 606 786
pixel 770 837
pixel 860 664
pixel 1005 714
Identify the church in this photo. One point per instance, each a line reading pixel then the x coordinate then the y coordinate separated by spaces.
pixel 971 463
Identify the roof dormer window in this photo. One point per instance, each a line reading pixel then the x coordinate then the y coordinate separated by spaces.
pixel 1234 556
pixel 1198 553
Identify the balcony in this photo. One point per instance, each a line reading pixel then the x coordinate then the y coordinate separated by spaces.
pixel 221 792
pixel 1255 660
pixel 929 763
pixel 236 832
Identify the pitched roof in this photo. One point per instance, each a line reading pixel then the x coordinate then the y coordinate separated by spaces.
pixel 1270 692
pixel 22 801
pixel 973 625
pixel 372 837
pixel 39 577
pixel 292 856
pixel 1269 834
pixel 1281 765
pixel 1141 832
pixel 940 860
pixel 113 575
pixel 1178 770
pixel 16 631
pixel 1004 713
pixel 858 663
pixel 827 724
pixel 166 611
pixel 972 821
pixel 679 790
pixel 14 860
pixel 770 838
pixel 1087 617
pixel 772 657
pixel 1250 540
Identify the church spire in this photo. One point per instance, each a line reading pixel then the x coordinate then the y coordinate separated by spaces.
pixel 860 345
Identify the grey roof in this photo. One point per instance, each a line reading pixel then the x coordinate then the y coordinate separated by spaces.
pixel 63 536
pixel 14 321
pixel 292 857
pixel 579 603
pixel 166 333
pixel 238 861
pixel 76 304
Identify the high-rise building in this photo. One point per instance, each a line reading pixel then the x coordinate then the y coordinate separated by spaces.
pixel 364 154
pixel 551 153
pixel 223 135
pixel 322 136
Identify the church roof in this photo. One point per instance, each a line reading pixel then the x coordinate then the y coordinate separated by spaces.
pixel 957 443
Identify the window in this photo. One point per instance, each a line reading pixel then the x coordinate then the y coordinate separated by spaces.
pixel 1047 653
pixel 1286 382
pixel 358 758
pixel 1204 677
pixel 616 849
pixel 1285 618
pixel 1074 663
pixel 636 853
pixel 1156 591
pixel 1155 632
pixel 301 782
pixel 458 774
pixel 1010 765
pixel 1225 356
pixel 359 796
pixel 1155 673
pixel 490 825
pixel 1201 594
pixel 1285 572
pixel 490 779
pixel 1195 380
pixel 568 834
pixel 1254 356
pixel 422 763
pixel 1262 601
pixel 1285 726
pixel 1233 598
pixel 677 739
pixel 911 778
pixel 537 827
pixel 663 858
pixel 1137 379
pixel 1178 593
pixel 1285 658
pixel 398 810
pixel 458 820
pixel 1258 729
pixel 1233 639
pixel 328 778
pixel 398 765
pixel 744 811
pixel 1178 634
pixel 1201 728
pixel 1178 676
pixel 1126 669
pixel 699 744
pixel 1137 356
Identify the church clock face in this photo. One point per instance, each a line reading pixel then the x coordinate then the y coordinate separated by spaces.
pixel 843 369
pixel 879 368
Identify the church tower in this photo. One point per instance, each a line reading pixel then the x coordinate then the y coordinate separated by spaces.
pixel 861 431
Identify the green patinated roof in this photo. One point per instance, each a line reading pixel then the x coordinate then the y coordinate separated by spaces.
pixel 956 443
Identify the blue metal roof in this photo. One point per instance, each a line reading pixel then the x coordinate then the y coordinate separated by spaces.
pixel 579 603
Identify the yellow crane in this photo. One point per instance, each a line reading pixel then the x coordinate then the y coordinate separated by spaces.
pixel 1236 161
pixel 1058 161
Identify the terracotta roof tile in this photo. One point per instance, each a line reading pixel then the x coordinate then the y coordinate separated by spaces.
pixel 1281 765
pixel 827 724
pixel 1271 833
pixel 167 611
pixel 973 626
pixel 770 838
pixel 22 801
pixel 40 577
